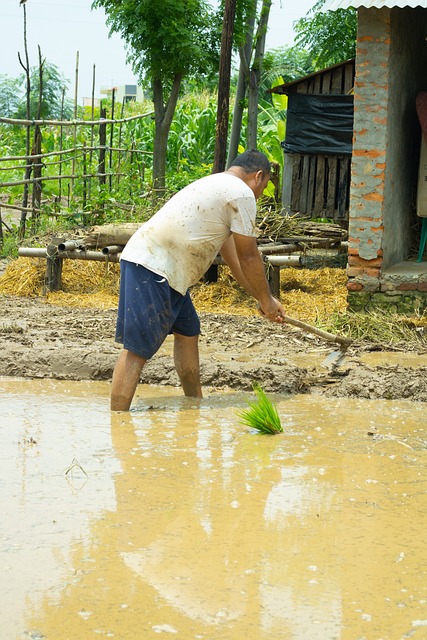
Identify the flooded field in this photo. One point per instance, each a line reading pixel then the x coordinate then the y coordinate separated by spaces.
pixel 177 521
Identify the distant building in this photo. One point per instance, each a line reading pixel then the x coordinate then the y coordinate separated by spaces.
pixel 87 102
pixel 126 93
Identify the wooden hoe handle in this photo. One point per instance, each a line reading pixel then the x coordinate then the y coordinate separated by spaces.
pixel 318 332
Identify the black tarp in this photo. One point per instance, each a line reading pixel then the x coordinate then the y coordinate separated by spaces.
pixel 319 124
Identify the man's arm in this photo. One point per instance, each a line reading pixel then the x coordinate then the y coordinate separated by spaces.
pixel 242 256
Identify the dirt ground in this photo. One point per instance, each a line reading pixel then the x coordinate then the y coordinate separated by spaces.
pixel 40 340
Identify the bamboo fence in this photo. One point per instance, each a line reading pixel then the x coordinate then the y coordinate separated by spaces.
pixel 95 166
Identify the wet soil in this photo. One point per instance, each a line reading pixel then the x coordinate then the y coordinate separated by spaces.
pixel 40 340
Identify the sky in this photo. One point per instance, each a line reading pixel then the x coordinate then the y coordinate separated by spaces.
pixel 64 27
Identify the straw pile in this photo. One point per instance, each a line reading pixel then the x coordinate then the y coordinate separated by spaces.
pixel 306 294
pixel 23 277
pixel 84 283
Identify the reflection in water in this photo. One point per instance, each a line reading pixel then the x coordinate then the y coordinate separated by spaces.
pixel 189 525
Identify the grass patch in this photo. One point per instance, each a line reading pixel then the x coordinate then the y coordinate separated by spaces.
pixel 380 327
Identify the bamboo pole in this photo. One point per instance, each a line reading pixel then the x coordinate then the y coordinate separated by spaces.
pixel 45 178
pixel 97 256
pixel 61 142
pixel 71 123
pixel 85 179
pixel 15 207
pixel 68 245
pixel 92 128
pixel 279 248
pixel 284 261
pixel 70 150
pixel 112 249
pixel 102 144
pixel 36 194
pixel 27 175
pixel 110 155
pixel 76 84
pixel 120 141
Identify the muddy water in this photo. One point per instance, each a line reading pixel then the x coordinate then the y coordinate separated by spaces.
pixel 176 521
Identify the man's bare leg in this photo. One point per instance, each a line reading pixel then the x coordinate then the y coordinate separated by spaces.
pixel 186 357
pixel 125 380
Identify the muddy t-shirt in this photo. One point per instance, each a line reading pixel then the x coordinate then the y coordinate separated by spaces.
pixel 182 239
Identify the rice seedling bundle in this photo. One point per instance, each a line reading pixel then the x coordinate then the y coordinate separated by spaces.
pixel 262 415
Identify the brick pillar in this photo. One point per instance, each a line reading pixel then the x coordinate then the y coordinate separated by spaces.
pixel 371 94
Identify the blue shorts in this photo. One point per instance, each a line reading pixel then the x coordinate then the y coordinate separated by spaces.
pixel 149 310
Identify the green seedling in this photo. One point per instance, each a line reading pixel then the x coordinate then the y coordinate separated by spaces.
pixel 262 415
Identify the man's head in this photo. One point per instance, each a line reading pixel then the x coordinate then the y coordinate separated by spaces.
pixel 254 168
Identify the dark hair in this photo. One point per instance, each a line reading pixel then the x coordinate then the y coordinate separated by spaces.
pixel 251 161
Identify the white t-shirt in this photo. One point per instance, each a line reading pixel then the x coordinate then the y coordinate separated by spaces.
pixel 182 239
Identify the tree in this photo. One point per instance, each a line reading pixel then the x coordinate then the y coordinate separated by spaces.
pixel 244 41
pixel 167 41
pixel 329 37
pixel 48 102
pixel 288 63
pixel 10 92
pixel 13 95
pixel 255 75
pixel 221 130
pixel 251 52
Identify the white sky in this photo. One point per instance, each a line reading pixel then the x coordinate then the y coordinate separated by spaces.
pixel 64 27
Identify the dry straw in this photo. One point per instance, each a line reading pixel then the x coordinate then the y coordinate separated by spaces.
pixel 306 294
pixel 84 283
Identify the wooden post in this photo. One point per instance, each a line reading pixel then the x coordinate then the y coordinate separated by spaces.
pixel 58 202
pixel 102 144
pixel 92 131
pixel 76 86
pixel 101 160
pixel 211 274
pixel 85 179
pixel 37 173
pixel 273 277
pixel 110 162
pixel 53 276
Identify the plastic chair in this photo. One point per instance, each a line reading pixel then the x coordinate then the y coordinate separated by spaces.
pixel 423 240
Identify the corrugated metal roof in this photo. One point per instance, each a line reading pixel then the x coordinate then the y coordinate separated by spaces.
pixel 333 5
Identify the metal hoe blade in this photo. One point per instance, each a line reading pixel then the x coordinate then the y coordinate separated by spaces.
pixel 334 359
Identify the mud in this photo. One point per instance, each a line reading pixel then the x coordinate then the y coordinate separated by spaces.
pixel 40 340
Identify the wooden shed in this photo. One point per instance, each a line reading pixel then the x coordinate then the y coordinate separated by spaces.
pixel 316 177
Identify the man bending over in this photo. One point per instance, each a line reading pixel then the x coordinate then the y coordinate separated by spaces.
pixel 171 252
